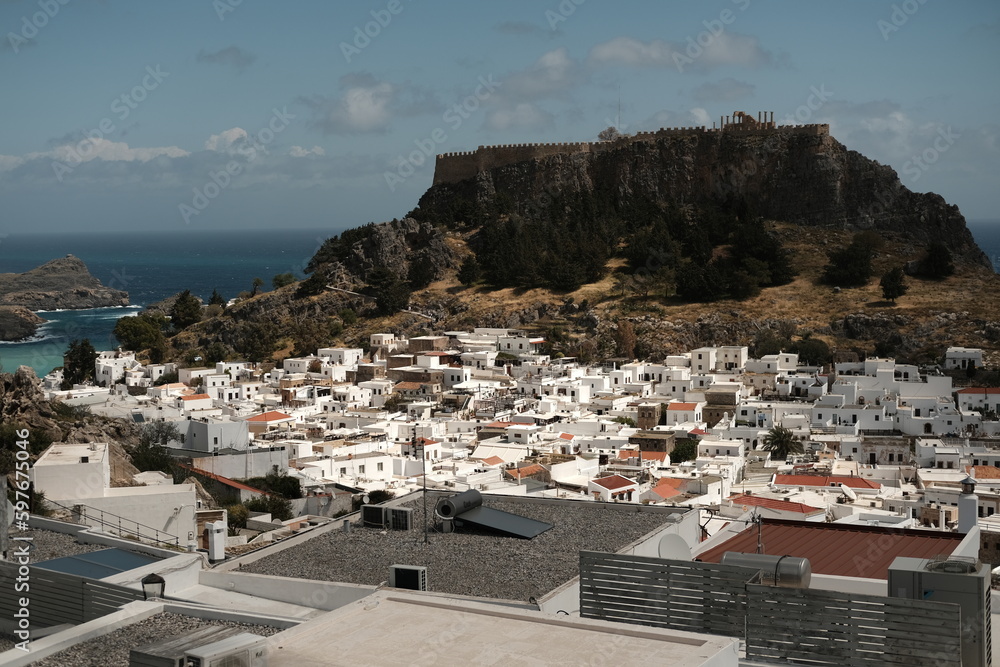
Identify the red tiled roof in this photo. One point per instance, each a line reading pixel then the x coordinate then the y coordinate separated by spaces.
pixel 614 482
pixel 566 436
pixel 774 504
pixel 839 549
pixel 427 441
pixel 493 461
pixel 983 472
pixel 980 390
pixel 675 482
pixel 195 397
pixel 526 471
pixel 407 386
pixel 682 406
pixel 498 424
pixel 270 416
pixel 824 480
pixel 666 491
pixel 223 480
pixel 698 431
pixel 654 456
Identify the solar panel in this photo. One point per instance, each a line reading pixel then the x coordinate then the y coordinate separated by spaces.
pixel 98 564
pixel 138 418
pixel 504 522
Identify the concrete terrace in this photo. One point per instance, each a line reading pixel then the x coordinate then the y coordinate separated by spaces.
pixel 467 562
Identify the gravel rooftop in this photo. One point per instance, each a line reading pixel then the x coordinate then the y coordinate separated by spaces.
pixel 112 649
pixel 467 563
pixel 46 545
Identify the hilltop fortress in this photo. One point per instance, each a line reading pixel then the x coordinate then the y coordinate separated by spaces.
pixel 459 166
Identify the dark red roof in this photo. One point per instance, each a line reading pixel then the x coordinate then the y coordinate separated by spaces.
pixel 980 390
pixel 825 480
pixel 774 504
pixel 223 480
pixel 614 482
pixel 844 550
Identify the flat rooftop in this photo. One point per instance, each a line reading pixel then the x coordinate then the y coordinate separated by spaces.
pixel 71 454
pixel 394 628
pixel 470 562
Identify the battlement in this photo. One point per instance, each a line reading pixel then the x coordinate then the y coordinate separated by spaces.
pixel 460 165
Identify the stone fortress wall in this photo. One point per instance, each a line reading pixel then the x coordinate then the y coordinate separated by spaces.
pixel 459 166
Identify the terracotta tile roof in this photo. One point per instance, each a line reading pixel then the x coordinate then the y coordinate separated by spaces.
pixel 493 461
pixel 774 504
pixel 614 482
pixel 427 441
pixel 566 436
pixel 682 406
pixel 407 386
pixel 675 482
pixel 698 431
pixel 654 456
pixel 839 549
pixel 270 416
pixel 223 480
pixel 195 397
pixel 983 472
pixel 980 390
pixel 498 424
pixel 526 471
pixel 665 490
pixel 825 480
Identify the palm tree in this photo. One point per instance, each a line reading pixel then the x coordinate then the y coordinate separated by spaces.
pixel 781 442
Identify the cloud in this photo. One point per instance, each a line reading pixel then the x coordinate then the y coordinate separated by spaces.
pixel 521 116
pixel 228 141
pixel 726 90
pixel 231 55
pixel 298 151
pixel 726 48
pixel 367 105
pixel 554 74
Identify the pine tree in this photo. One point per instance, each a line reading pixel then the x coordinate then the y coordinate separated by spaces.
pixel 893 284
pixel 78 363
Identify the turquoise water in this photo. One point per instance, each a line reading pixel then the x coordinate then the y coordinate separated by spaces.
pixel 150 267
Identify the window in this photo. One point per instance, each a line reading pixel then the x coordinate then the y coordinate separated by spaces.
pixel 379 467
pixel 343 472
pixel 876 417
pixel 361 470
pixel 215 441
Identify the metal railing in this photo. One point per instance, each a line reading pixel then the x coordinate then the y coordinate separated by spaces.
pixel 107 520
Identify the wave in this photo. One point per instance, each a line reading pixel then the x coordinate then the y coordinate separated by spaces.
pixel 37 338
pixel 84 310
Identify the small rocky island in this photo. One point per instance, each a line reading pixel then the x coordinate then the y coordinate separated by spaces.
pixel 59 284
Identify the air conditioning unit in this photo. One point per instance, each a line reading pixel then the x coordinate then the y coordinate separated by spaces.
pixel 410 577
pixel 242 650
pixel 373 516
pixel 399 518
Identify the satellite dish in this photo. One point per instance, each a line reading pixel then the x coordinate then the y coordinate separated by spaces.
pixel 674 547
pixel 366 499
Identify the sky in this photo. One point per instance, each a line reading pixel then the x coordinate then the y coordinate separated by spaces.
pixel 234 114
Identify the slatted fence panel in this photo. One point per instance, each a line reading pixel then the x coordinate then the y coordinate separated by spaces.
pixel 814 627
pixel 681 595
pixel 55 598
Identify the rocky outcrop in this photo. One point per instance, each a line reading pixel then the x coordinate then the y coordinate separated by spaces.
pixel 397 245
pixel 60 284
pixel 18 323
pixel 23 405
pixel 811 180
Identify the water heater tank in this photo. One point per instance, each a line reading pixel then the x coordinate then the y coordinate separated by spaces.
pixel 784 571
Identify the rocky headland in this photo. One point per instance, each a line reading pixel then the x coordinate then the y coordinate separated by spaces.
pixel 61 284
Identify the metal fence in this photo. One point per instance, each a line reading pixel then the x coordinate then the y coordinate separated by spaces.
pixel 778 625
pixel 55 598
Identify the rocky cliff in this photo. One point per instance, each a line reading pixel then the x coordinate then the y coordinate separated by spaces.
pixel 18 323
pixel 62 283
pixel 806 179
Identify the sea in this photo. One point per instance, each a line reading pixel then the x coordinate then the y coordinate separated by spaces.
pixel 150 266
